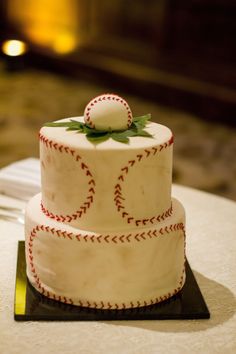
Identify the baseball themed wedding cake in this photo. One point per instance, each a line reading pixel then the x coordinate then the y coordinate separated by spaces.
pixel 105 232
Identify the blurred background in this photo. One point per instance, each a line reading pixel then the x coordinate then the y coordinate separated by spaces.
pixel 173 59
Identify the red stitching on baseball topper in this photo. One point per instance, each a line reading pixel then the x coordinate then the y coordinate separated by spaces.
pixel 119 197
pixel 91 183
pixel 101 304
pixel 106 97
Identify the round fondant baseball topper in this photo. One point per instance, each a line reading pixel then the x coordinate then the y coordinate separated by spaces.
pixel 108 112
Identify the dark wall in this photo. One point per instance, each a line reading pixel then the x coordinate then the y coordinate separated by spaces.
pixel 180 53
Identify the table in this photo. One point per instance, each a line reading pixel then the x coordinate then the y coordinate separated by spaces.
pixel 211 251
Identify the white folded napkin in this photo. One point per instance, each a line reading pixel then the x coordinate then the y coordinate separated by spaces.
pixel 21 179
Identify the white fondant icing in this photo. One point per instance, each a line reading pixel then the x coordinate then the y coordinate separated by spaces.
pixel 105 233
pixel 111 270
pixel 108 112
pixel 106 186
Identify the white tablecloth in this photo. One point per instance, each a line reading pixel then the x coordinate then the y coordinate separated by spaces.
pixel 211 251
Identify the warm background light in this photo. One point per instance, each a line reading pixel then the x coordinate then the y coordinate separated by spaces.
pixel 13 47
pixel 50 24
pixel 64 43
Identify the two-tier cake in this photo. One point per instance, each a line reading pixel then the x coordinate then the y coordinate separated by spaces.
pixel 105 231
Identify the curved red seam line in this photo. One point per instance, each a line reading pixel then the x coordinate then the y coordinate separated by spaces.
pixel 111 238
pixel 108 305
pixel 118 196
pixel 105 97
pixel 102 304
pixel 91 183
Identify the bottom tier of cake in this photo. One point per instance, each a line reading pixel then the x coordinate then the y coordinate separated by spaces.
pixel 115 270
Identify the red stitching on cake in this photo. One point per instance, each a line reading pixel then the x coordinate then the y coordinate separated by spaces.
pixel 41 289
pixel 125 169
pixel 155 150
pixel 107 238
pixel 105 97
pixel 139 157
pixel 130 219
pixel 119 198
pixel 131 162
pixel 89 199
pixel 121 238
pixel 142 235
pixel 128 237
pixel 109 305
pixel 121 178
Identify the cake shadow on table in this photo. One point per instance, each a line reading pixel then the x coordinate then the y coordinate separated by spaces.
pixel 221 303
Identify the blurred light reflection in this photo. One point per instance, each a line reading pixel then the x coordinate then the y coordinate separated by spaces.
pixel 14 47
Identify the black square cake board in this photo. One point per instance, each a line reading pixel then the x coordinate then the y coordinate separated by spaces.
pixel 32 306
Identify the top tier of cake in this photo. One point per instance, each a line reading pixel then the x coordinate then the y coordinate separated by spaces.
pixel 106 186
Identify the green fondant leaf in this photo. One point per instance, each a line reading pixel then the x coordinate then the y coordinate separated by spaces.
pixel 98 137
pixel 136 129
pixel 142 119
pixel 144 133
pixel 122 137
pixel 116 137
pixel 74 128
pixel 55 124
